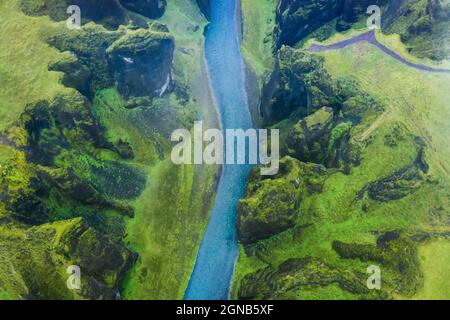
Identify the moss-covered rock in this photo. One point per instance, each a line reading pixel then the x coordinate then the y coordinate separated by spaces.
pixel 308 138
pixel 293 276
pixel 297 18
pixel 89 45
pixel 141 61
pixel 76 74
pixel 393 250
pixel 400 184
pixel 299 83
pixel 150 8
pixel 271 205
pixel 422 24
pixel 325 136
pixel 138 61
pixel 69 182
pixel 34 261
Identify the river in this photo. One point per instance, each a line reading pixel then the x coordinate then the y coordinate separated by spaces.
pixel 219 250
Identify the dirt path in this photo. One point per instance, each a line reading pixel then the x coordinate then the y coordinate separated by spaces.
pixel 371 38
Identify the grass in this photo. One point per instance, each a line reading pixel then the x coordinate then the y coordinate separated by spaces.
pixel 415 100
pixel 434 258
pixel 173 211
pixel 171 217
pixel 258 27
pixel 24 60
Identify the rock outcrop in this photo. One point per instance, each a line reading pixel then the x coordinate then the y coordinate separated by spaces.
pixel 423 26
pixel 205 8
pixel 394 251
pixel 34 261
pixel 298 18
pixel 150 8
pixel 271 205
pixel 297 275
pixel 141 61
pixel 138 61
pixel 421 23
pixel 299 84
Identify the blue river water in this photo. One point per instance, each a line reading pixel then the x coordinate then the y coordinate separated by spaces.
pixel 218 251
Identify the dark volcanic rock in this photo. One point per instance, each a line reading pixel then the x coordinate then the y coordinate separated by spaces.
pixel 299 83
pixel 205 7
pixel 271 205
pixel 76 74
pixel 296 19
pixel 142 62
pixel 150 8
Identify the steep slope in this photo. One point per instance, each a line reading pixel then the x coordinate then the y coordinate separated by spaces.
pixel 422 24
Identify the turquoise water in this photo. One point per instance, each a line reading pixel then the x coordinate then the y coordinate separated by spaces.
pixel 217 255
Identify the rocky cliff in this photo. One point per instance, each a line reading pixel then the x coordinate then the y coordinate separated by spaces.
pixel 421 23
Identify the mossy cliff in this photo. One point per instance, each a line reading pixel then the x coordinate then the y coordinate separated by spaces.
pixel 362 179
pixel 35 260
pixel 149 8
pixel 422 24
pixel 77 153
pixel 137 53
pixel 271 205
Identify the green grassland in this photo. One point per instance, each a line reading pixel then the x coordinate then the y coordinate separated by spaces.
pixel 172 213
pixel 257 41
pixel 24 61
pixel 170 203
pixel 434 259
pixel 417 102
pixel 258 22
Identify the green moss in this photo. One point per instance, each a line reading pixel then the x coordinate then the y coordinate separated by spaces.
pixel 138 40
pixel 394 252
pixel 89 44
pixel 271 205
pixel 178 199
pixel 173 211
pixel 22 68
pixel 377 95
pixel 293 276
pixel 34 261
pixel 4 295
pixel 258 38
pixel 338 132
